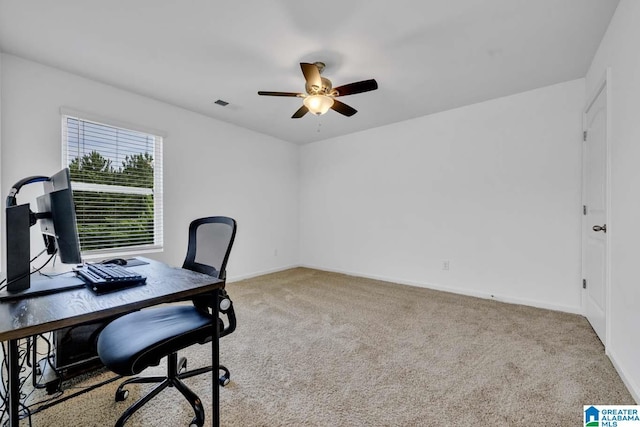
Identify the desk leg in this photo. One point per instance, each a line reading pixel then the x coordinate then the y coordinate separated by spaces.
pixel 215 362
pixel 13 365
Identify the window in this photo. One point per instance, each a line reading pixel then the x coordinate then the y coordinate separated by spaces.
pixel 116 177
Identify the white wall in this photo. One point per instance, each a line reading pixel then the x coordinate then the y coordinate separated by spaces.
pixel 494 188
pixel 619 50
pixel 210 167
pixel 2 248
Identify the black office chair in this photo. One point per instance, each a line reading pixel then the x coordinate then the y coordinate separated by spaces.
pixel 137 340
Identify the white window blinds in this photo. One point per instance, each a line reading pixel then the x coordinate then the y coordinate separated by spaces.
pixel 116 177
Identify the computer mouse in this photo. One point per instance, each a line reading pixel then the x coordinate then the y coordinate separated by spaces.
pixel 117 261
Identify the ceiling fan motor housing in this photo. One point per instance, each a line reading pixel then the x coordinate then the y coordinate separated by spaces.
pixel 326 88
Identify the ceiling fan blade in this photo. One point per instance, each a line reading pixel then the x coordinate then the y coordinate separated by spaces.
pixel 311 74
pixel 301 112
pixel 262 92
pixel 343 108
pixel 357 87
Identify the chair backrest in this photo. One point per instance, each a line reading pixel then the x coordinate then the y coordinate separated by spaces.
pixel 210 242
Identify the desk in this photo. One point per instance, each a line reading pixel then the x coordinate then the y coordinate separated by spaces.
pixel 32 316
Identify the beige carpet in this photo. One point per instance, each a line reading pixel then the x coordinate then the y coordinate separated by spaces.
pixel 323 349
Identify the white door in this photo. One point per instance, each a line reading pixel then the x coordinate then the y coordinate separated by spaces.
pixel 594 230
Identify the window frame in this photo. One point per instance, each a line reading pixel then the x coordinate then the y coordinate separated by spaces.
pixel 157 191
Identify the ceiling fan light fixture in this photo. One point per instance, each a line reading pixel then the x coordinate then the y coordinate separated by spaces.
pixel 318 104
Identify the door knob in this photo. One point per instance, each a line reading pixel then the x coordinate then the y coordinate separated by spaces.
pixel 600 228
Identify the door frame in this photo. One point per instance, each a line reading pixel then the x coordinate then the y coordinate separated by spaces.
pixel 604 84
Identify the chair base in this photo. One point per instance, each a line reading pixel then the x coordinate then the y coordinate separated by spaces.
pixel 223 379
pixel 192 398
pixel 173 379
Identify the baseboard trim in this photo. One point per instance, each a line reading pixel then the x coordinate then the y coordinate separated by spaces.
pixel 467 292
pixel 260 273
pixel 631 386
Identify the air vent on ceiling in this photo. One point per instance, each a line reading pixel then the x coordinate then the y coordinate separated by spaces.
pixel 221 103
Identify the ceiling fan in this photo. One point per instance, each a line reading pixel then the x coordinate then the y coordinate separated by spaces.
pixel 321 95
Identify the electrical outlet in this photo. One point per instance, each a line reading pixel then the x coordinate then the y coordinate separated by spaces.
pixel 445 264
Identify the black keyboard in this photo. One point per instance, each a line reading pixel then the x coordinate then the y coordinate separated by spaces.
pixel 108 277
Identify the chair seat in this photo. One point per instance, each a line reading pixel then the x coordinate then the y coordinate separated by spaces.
pixel 140 339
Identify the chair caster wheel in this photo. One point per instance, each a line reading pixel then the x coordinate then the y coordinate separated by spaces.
pixel 121 395
pixel 223 380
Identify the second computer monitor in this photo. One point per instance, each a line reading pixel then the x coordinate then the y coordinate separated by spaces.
pixel 59 228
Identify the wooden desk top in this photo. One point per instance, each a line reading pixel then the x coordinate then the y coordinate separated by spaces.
pixel 31 316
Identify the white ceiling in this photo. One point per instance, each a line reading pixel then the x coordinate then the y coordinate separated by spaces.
pixel 426 55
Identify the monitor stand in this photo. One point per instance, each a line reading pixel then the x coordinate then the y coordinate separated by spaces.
pixel 43 285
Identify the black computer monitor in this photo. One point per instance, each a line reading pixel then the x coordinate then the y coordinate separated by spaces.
pixel 56 211
pixel 59 228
